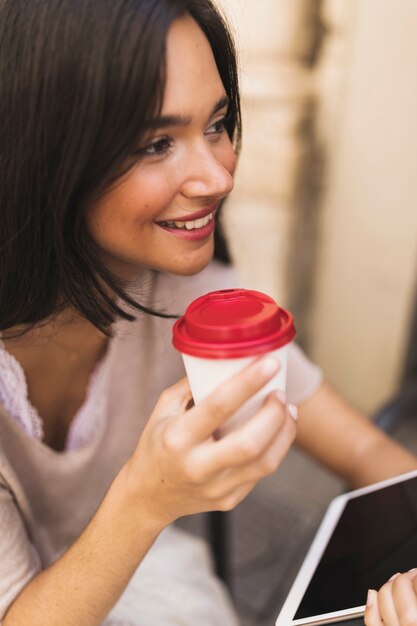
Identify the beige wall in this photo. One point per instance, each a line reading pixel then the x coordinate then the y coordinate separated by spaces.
pixel 275 40
pixel 346 265
pixel 368 263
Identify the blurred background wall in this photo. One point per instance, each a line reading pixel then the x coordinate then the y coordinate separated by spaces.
pixel 324 214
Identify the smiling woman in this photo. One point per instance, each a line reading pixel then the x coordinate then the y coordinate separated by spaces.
pixel 120 126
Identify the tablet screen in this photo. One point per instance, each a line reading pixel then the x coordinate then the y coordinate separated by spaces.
pixel 375 537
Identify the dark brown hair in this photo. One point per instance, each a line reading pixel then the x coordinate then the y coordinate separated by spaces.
pixel 78 80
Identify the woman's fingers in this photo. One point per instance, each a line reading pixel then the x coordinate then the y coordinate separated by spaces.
pixel 372 614
pixel 202 420
pixel 267 463
pixel 271 430
pixel 403 590
pixel 233 497
pixel 396 602
pixel 253 451
pixel 412 574
pixel 386 605
pixel 174 400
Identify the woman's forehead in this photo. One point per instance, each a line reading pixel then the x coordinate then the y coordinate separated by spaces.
pixel 192 77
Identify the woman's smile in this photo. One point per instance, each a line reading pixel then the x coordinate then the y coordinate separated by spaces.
pixel 196 226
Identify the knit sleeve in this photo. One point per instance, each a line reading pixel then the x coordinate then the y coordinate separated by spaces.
pixel 19 561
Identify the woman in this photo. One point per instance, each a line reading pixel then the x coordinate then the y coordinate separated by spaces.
pixel 121 123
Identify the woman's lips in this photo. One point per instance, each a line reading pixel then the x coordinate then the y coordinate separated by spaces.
pixel 193 226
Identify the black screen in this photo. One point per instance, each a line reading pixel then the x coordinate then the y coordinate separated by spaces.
pixel 376 536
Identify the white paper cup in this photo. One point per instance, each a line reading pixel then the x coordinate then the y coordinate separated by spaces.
pixel 222 332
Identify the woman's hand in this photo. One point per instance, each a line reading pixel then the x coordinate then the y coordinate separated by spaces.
pixel 395 604
pixel 179 468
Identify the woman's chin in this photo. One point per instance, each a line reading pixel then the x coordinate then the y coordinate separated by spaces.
pixel 190 264
pixel 180 264
pixel 190 269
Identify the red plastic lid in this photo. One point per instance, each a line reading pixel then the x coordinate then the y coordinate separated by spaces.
pixel 232 323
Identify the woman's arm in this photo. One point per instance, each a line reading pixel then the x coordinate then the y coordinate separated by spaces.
pixel 178 468
pixel 82 586
pixel 347 442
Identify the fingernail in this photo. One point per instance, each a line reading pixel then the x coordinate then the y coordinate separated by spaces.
pixel 370 598
pixel 268 366
pixel 393 577
pixel 293 411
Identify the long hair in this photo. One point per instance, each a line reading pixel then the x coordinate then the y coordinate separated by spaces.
pixel 78 81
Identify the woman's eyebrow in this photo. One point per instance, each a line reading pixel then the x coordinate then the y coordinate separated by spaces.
pixel 166 121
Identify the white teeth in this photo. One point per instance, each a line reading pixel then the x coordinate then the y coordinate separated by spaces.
pixel 190 225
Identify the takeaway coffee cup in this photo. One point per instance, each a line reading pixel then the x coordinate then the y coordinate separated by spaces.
pixel 222 332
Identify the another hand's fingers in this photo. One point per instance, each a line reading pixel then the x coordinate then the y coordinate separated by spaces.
pixel 372 614
pixel 412 575
pixel 386 605
pixel 222 403
pixel 396 602
pixel 405 599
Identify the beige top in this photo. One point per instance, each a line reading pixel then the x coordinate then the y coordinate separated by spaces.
pixel 48 497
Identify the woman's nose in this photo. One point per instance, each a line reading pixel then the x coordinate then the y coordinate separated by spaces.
pixel 209 173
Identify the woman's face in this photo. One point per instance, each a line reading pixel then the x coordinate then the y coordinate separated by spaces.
pixel 161 214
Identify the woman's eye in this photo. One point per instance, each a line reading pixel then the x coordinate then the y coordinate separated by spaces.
pixel 156 148
pixel 217 128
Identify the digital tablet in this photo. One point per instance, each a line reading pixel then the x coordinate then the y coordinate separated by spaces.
pixel 366 536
